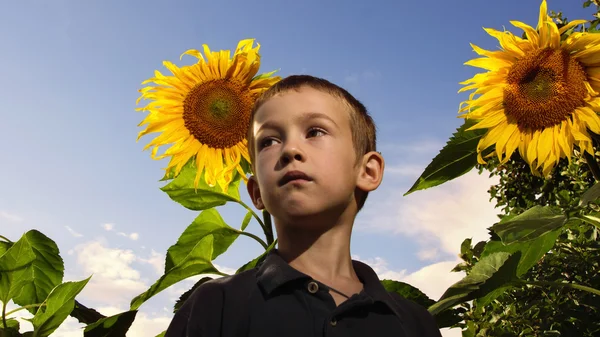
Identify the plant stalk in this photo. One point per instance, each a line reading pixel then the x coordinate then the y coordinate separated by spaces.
pixel 259 240
pixel 592 164
pixel 4 316
pixel 564 285
pixel 25 307
pixel 269 227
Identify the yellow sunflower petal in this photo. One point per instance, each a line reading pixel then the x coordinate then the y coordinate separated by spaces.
pixel 216 144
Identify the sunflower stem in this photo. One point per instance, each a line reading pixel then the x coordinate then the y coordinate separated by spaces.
pixel 592 164
pixel 260 221
pixel 563 285
pixel 259 240
pixel 269 227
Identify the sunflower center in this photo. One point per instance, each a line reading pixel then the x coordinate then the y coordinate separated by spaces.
pixel 217 112
pixel 543 89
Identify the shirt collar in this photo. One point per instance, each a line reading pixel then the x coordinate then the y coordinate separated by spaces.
pixel 274 272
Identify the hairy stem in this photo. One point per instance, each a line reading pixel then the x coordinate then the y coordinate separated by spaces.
pixel 269 226
pixel 259 240
pixel 4 316
pixel 25 307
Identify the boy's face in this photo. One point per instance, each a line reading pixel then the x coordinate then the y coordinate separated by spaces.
pixel 305 161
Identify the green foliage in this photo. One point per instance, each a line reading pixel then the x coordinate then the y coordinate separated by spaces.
pixel 182 190
pixel 58 306
pixel 529 225
pixel 205 239
pixel 113 326
pixel 490 273
pixel 458 157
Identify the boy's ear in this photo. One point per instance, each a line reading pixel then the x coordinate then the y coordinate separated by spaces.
pixel 371 171
pixel 254 192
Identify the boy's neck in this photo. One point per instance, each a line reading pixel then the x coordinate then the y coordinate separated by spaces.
pixel 323 254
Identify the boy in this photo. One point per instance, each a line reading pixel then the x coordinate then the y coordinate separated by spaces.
pixel 312 147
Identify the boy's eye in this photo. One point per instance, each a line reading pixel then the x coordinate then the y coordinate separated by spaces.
pixel 265 143
pixel 315 132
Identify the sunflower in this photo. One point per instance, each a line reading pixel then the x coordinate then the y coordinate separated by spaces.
pixel 203 111
pixel 539 94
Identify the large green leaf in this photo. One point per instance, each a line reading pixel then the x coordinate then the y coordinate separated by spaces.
pixel 592 194
pixel 530 224
pixel 407 291
pixel 85 315
pixel 205 239
pixel 189 292
pixel 59 304
pixel 15 269
pixel 531 252
pixel 4 246
pixel 112 326
pixel 48 270
pixel 492 272
pixel 458 157
pixel 182 190
pixel 12 329
pixel 443 319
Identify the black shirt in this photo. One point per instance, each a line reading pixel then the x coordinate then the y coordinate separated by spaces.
pixel 277 300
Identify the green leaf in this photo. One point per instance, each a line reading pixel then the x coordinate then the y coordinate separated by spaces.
pixel 48 270
pixel 443 319
pixel 187 294
pixel 530 224
pixel 492 272
pixel 4 246
pixel 407 291
pixel 264 75
pixel 253 263
pixel 182 190
pixel 593 220
pixel 59 304
pixel 112 326
pixel 12 329
pixel 85 315
pixel 162 334
pixel 458 157
pixel 592 194
pixel 205 239
pixel 246 220
pixel 15 269
pixel 531 252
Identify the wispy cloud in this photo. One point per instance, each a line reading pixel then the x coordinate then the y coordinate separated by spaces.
pixel 439 218
pixel 74 233
pixel 10 216
pixel 109 227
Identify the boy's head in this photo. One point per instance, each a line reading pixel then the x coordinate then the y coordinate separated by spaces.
pixel 308 128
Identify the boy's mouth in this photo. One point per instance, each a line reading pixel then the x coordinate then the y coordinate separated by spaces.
pixel 293 176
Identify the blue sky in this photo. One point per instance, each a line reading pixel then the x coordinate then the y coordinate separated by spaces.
pixel 70 71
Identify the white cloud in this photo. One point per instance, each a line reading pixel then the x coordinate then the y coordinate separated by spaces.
pixel 157 261
pixel 10 216
pixel 428 254
pixel 381 268
pixel 437 218
pixel 132 236
pixel 108 226
pixel 114 279
pixel 74 233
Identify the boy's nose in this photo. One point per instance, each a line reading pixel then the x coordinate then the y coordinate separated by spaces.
pixel 291 153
